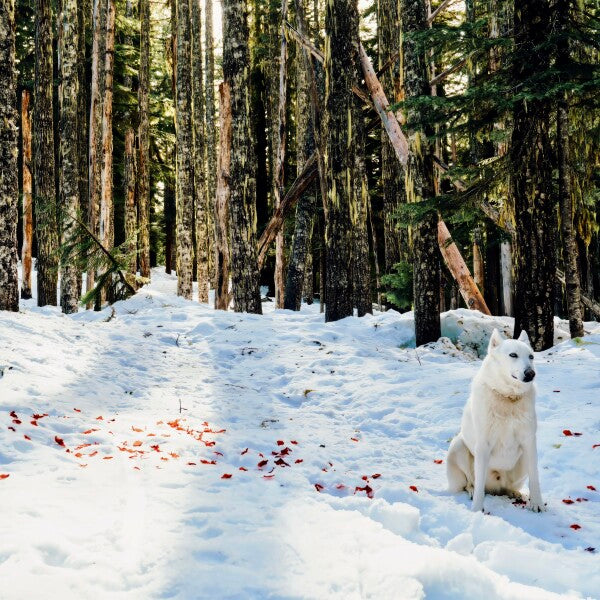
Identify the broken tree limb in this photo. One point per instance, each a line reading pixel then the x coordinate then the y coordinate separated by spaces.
pixel 305 179
pixel 590 304
pixel 443 6
pixel 457 266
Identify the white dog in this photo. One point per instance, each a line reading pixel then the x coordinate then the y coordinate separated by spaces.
pixel 496 447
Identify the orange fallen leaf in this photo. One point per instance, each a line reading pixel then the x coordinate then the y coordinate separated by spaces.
pixel 100 418
pixel 4 475
pixel 137 443
pixel 174 454
pixel 164 458
pixel 137 429
pixel 78 455
pixel 93 453
pixel 107 458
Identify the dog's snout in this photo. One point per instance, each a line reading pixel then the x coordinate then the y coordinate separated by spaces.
pixel 529 375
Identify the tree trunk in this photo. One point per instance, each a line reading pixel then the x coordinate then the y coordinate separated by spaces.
pixel 478 262
pixel 27 196
pixel 129 191
pixel 95 128
pixel 530 164
pixel 9 184
pixel 278 179
pixel 341 61
pixel 200 198
pixel 298 268
pixel 242 202
pixel 221 220
pixel 420 180
pixel 392 177
pixel 69 167
pixel 185 162
pixel 506 270
pixel 43 157
pixel 83 13
pixel 211 130
pixel 144 141
pixel 169 216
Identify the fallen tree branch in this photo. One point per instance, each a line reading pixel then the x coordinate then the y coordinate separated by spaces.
pixel 590 304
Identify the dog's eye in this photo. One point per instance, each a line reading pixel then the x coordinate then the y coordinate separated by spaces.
pixel 513 355
pixel 531 356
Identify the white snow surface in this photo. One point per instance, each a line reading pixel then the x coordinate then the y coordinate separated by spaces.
pixel 350 400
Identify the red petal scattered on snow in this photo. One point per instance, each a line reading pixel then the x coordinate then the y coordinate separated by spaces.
pixel 575 526
pixel 568 501
pixel 319 487
pixel 298 461
pixel 293 442
pixel 156 447
pixel 577 433
pixel 368 489
pixel 90 431
pixel 354 439
pixel 37 416
pixel 280 442
pixel 93 453
pixel 226 476
pixel 413 488
pixel 438 461
pixel 192 464
pixel 590 549
pixel 281 463
pixel 591 487
pixel 581 499
pixel 78 455
pixel 27 437
pixel 208 462
pixel 595 446
pixel 567 432
pixel 268 476
pixel 100 418
pixel 173 455
pixel 376 475
pixel 137 443
pixel 34 423
pixel 365 478
pixel 59 441
pixel 77 409
pixel 17 421
pixel 107 458
pixel 340 486
pixel 243 469
pixel 136 468
pixel 4 475
pixel 13 414
pixel 244 452
pixel 11 428
pixel 262 463
pixel 218 453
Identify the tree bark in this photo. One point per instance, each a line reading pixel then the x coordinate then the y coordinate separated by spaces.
pixel 27 247
pixel 278 179
pixel 530 163
pixel 242 202
pixel 144 141
pixel 130 206
pixel 420 180
pixel 43 158
pixel 95 127
pixel 200 198
pixel 211 130
pixel 341 61
pixel 83 13
pixel 9 184
pixel 221 220
pixel 185 161
pixel 69 167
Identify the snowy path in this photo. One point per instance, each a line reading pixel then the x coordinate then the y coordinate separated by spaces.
pixel 128 516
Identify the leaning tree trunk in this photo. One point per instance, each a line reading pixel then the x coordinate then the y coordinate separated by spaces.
pixel 185 161
pixel 9 186
pixel 341 60
pixel 144 141
pixel 392 176
pixel 27 196
pixel 242 201
pixel 69 167
pixel 43 157
pixel 210 120
pixel 530 162
pixel 565 196
pixel 305 211
pixel 420 180
pixel 201 212
pixel 95 127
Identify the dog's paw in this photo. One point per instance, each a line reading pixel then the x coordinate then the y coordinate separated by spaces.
pixel 537 506
pixel 477 507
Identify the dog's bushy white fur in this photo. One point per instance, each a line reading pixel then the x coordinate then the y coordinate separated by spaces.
pixel 496 449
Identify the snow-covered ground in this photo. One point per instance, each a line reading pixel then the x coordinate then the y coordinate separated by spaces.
pixel 165 450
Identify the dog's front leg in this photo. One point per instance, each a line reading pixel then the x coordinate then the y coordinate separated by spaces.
pixel 482 460
pixel 535 494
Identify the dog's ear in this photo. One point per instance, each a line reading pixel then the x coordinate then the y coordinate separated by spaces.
pixel 523 337
pixel 495 340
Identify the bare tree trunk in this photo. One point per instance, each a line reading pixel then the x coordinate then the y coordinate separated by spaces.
pixel 221 220
pixel 144 141
pixel 242 202
pixel 478 262
pixel 83 14
pixel 95 127
pixel 69 167
pixel 507 278
pixel 211 130
pixel 130 207
pixel 43 158
pixel 9 184
pixel 200 197
pixel 27 196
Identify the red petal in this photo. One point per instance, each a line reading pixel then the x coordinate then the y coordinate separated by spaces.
pixel 376 475
pixel 581 499
pixel 262 463
pixel 268 476
pixel 577 433
pixel 280 462
pixel 293 442
pixel 218 453
pixel 208 462
pixel 340 486
pixel 591 487
pixel 11 428
pixel 27 437
pixel 243 469
pixel 36 416
pixel 319 487
pixel 438 461
pixel 34 423
pixel 107 458
pixel 77 409
pixel 595 446
pixel 354 439
pixel 100 418
pixel 59 441
pixel 4 475
pixel 226 476
pixel 192 464
pixel 17 421
pixel 575 526
pixel 244 451
pixel 13 414
pixel 365 478
pixel 280 442
pixel 413 488
pixel 568 501
pixel 298 461
pixel 567 432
